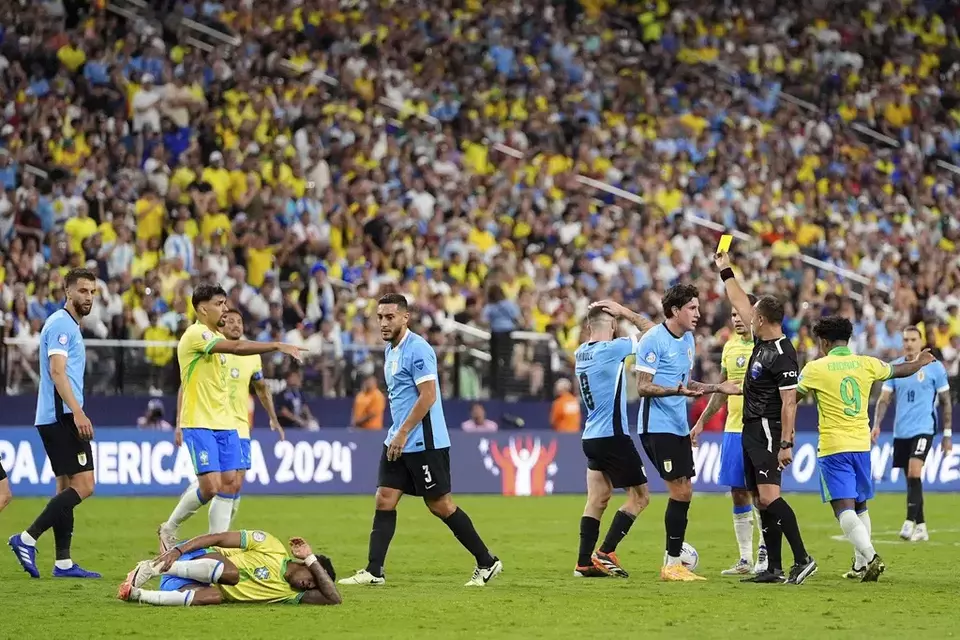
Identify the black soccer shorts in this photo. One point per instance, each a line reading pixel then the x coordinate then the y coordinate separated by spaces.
pixel 424 473
pixel 671 454
pixel 617 458
pixel 761 446
pixel 915 447
pixel 69 454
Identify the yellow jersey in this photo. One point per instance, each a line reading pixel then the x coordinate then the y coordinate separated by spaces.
pixel 262 562
pixel 733 362
pixel 202 379
pixel 243 369
pixel 841 381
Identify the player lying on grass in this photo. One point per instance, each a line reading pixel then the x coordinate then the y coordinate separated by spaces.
pixel 236 566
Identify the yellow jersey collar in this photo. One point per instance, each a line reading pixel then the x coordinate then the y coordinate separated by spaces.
pixel 840 351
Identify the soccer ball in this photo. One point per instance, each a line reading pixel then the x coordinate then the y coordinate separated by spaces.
pixel 689 557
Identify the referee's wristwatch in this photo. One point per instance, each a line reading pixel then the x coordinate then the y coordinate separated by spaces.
pixel 786 444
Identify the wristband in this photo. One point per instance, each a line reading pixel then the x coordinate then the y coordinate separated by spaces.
pixel 309 560
pixel 948 433
pixel 726 274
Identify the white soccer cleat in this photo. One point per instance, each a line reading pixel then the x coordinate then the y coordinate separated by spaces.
pixel 483 575
pixel 167 537
pixel 920 534
pixel 742 568
pixel 906 531
pixel 143 573
pixel 363 577
pixel 761 565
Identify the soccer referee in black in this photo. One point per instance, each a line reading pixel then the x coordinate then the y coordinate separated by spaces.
pixel 769 417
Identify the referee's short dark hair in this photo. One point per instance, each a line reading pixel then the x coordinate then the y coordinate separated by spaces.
pixel 206 293
pixel 678 296
pixel 75 275
pixel 770 308
pixel 394 298
pixel 833 329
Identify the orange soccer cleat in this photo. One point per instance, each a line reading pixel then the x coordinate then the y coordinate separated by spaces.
pixel 678 573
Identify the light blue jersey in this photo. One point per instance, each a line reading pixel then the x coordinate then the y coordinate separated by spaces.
pixel 60 336
pixel 916 400
pixel 670 360
pixel 410 363
pixel 602 377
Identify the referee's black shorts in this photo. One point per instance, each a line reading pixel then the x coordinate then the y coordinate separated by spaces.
pixel 69 454
pixel 617 458
pixel 761 446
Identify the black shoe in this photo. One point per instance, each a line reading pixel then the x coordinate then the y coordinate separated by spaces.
pixel 767 577
pixel 873 570
pixel 802 571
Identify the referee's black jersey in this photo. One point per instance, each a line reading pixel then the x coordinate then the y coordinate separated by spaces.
pixel 773 367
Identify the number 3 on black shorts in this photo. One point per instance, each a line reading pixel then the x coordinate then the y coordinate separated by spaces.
pixel 427 478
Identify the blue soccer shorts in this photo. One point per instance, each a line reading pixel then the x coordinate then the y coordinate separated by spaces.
pixel 244 453
pixel 175 583
pixel 846 476
pixel 732 472
pixel 213 450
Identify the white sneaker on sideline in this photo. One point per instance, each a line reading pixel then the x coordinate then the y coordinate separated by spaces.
pixel 363 577
pixel 483 575
pixel 920 534
pixel 906 531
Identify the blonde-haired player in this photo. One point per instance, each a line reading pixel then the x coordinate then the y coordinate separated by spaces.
pixel 203 353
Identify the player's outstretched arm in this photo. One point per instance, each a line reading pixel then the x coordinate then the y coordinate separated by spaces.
pixel 225 540
pixel 725 387
pixel 717 401
pixel 907 369
pixel 646 388
pixel 735 293
pixel 254 348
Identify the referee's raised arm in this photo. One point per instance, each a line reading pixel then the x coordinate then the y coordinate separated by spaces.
pixel 738 297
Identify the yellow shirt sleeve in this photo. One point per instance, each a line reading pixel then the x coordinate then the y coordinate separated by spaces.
pixel 723 358
pixel 260 541
pixel 877 368
pixel 199 339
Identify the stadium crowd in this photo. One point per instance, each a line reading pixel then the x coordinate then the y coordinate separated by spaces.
pixel 336 151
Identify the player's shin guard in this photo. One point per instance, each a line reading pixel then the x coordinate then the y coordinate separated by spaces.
pixel 384 526
pixel 773 538
pixel 190 502
pixel 56 509
pixel 619 528
pixel 857 534
pixel 221 510
pixel 743 528
pixel 164 598
pixel 675 522
pixel 914 499
pixel 589 532
pixel 462 527
pixel 206 570
pixel 791 530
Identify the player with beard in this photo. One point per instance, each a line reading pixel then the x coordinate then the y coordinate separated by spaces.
pixel 64 428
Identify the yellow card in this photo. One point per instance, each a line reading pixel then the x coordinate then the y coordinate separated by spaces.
pixel 725 241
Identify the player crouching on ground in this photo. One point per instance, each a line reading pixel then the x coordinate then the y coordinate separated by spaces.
pixel 236 566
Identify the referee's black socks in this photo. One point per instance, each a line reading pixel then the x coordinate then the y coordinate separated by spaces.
pixel 384 526
pixel 589 532
pixel 914 500
pixel 782 511
pixel 462 527
pixel 773 538
pixel 59 508
pixel 675 522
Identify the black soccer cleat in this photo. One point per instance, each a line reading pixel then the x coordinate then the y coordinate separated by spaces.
pixel 802 571
pixel 873 570
pixel 769 576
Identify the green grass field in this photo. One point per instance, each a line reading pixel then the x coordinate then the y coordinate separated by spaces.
pixel 535 597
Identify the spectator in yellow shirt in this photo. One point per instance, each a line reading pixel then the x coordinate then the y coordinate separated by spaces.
pixel 218 178
pixel 79 228
pixel 151 214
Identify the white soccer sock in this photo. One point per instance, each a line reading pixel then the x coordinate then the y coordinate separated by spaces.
pixel 857 534
pixel 221 510
pixel 205 570
pixel 189 503
pixel 28 539
pixel 163 598
pixel 859 560
pixel 233 511
pixel 64 564
pixel 671 561
pixel 743 528
pixel 759 523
